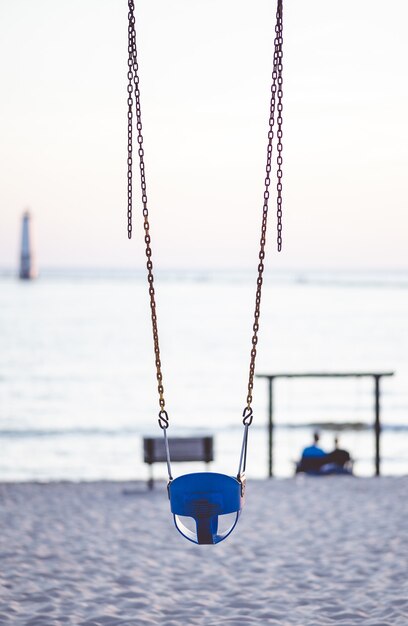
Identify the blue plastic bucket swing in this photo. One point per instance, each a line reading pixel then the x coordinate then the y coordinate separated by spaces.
pixel 205 505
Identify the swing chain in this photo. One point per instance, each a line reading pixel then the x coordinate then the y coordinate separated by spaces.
pixel 279 66
pixel 276 90
pixel 130 123
pixel 133 88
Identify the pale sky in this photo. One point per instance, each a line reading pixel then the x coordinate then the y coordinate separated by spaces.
pixel 205 68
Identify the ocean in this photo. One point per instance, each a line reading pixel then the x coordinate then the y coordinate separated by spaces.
pixel 77 374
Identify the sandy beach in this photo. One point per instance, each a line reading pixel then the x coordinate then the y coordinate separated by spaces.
pixel 306 552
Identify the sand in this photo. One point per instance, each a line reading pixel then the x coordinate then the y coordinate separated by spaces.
pixel 306 552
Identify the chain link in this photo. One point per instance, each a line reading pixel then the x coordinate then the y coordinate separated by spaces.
pixel 276 90
pixel 133 88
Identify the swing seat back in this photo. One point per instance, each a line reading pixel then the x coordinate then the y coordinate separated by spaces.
pixel 206 506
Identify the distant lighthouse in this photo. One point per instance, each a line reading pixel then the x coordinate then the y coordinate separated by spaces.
pixel 27 267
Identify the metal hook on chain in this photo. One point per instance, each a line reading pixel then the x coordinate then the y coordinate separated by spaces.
pixel 248 416
pixel 164 424
pixel 163 419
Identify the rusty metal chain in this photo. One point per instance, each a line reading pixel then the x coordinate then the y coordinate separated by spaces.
pixel 279 133
pixel 276 90
pixel 275 115
pixel 130 124
pixel 133 89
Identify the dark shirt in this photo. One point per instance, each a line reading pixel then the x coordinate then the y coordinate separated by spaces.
pixel 339 457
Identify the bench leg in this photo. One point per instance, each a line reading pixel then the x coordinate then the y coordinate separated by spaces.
pixel 150 481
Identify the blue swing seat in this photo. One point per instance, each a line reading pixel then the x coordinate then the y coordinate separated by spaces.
pixel 206 506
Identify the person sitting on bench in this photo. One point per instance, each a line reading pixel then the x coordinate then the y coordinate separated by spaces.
pixel 338 456
pixel 313 457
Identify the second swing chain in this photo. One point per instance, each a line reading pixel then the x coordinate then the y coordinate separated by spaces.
pixel 275 111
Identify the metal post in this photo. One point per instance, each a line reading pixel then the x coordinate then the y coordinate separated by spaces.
pixel 377 424
pixel 270 427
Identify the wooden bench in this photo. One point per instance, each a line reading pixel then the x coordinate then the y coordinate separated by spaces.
pixel 182 449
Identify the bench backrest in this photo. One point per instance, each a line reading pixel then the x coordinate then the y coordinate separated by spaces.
pixel 181 449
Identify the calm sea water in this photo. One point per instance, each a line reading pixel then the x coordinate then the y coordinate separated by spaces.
pixel 77 376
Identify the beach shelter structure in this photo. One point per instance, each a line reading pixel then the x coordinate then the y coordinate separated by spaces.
pixel 376 376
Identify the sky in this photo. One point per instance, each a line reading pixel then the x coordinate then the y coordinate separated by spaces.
pixel 205 72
